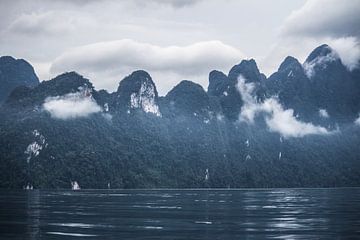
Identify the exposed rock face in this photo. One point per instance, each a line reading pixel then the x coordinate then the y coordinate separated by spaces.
pixel 138 91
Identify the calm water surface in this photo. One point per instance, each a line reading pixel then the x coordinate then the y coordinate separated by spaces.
pixel 181 214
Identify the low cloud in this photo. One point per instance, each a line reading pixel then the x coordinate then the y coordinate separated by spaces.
pixel 348 49
pixel 72 105
pixel 123 56
pixel 323 113
pixel 251 107
pixel 276 117
pixel 284 122
pixel 357 121
pixel 309 67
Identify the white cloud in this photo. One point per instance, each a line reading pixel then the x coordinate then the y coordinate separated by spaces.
pixel 324 18
pixel 251 107
pixel 43 23
pixel 123 56
pixel 284 122
pixel 323 113
pixel 129 53
pixel 276 117
pixel 318 22
pixel 348 49
pixel 357 121
pixel 72 105
pixel 319 61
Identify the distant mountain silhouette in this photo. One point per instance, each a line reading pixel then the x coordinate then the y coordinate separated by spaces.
pixel 63 130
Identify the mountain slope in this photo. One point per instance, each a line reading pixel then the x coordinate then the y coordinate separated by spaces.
pixel 65 130
pixel 226 90
pixel 322 87
pixel 14 73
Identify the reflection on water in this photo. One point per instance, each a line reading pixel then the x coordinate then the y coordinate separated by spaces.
pixel 181 214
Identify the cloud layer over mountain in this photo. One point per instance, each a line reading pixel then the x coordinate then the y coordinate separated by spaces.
pixel 72 105
pixel 276 117
pixel 317 22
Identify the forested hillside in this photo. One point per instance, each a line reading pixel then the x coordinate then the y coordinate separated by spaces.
pixel 297 128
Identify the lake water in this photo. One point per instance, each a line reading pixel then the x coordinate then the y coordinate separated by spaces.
pixel 181 214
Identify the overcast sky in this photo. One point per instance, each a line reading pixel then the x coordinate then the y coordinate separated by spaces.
pixel 173 40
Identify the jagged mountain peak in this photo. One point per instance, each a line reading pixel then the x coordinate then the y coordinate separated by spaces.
pixel 320 51
pixel 138 91
pixel 216 81
pixel 197 130
pixel 6 59
pixel 320 59
pixel 290 63
pixel 322 82
pixel 68 75
pixel 216 74
pixel 186 87
pixel 248 69
pixel 138 75
pixel 14 73
pixel 69 82
pixel 65 83
pixel 188 97
pixel 134 81
pixel 8 63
